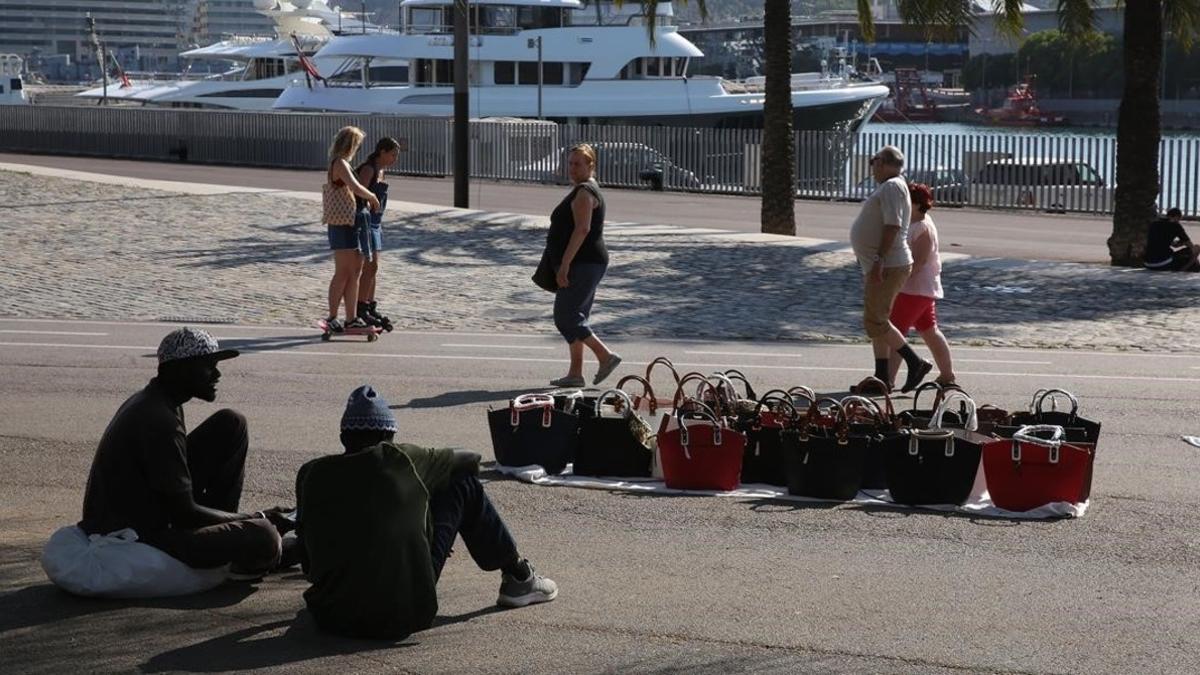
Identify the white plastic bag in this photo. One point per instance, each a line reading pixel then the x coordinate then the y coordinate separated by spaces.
pixel 116 565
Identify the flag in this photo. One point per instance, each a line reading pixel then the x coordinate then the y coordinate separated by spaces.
pixel 305 63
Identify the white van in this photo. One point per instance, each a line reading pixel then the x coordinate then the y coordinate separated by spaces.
pixel 1047 184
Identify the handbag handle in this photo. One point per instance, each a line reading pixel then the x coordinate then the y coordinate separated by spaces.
pixel 774 396
pixel 647 391
pixel 531 402
pixel 870 382
pixel 1053 395
pixel 1037 398
pixel 952 395
pixel 850 403
pixel 663 361
pixel 803 392
pixel 678 399
pixel 725 387
pixel 1027 434
pixel 615 393
pixel 697 410
pixel 739 376
pixel 926 386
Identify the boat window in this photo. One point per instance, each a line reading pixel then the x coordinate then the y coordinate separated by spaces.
pixel 427 20
pixel 577 72
pixel 497 19
pixel 552 72
pixel 244 93
pixel 504 72
pixel 539 17
pixel 433 71
pixel 653 66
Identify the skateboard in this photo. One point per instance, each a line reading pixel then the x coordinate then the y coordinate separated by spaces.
pixel 372 332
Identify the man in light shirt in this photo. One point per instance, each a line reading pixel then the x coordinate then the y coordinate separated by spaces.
pixel 879 238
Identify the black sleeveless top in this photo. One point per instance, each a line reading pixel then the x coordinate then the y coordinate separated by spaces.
pixel 562 224
pixel 359 202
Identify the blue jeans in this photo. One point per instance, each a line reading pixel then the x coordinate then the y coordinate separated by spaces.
pixel 573 304
pixel 463 508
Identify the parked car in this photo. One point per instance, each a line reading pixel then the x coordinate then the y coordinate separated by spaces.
pixel 950 186
pixel 618 164
pixel 1049 184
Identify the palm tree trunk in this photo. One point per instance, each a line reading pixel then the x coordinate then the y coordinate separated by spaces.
pixel 1138 133
pixel 778 144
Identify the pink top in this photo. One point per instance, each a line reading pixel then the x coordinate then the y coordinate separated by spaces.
pixel 925 280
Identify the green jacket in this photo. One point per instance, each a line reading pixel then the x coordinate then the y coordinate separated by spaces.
pixel 364 526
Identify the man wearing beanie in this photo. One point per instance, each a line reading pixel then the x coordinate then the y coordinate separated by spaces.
pixel 180 492
pixel 376 524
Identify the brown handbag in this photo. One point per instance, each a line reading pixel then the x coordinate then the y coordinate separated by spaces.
pixel 337 202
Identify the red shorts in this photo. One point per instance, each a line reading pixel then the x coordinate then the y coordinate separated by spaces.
pixel 913 311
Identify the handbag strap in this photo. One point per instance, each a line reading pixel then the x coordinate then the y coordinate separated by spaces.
pixel 927 386
pixel 647 390
pixel 532 402
pixel 662 361
pixel 971 423
pixel 1028 434
pixel 618 394
pixel 739 376
pixel 680 396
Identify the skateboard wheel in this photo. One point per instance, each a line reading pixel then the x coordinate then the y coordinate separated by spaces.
pixel 371 337
pixel 325 337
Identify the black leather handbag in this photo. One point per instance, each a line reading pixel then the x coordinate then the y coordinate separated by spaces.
pixel 937 465
pixel 763 458
pixel 824 461
pixel 532 431
pixel 614 440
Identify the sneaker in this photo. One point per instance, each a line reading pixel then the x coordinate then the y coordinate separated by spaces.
pixel 335 326
pixel 607 368
pixel 357 323
pixel 380 320
pixel 535 589
pixel 916 376
pixel 364 313
pixel 568 382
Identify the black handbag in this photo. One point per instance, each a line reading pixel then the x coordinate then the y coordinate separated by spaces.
pixel 937 465
pixel 1077 430
pixel 762 461
pixel 879 427
pixel 545 276
pixel 620 446
pixel 825 462
pixel 532 431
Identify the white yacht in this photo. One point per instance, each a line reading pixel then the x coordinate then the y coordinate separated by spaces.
pixel 12 87
pixel 264 67
pixel 598 66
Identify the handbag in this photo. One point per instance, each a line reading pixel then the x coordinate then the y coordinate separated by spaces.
pixel 918 417
pixel 532 431
pixel 936 465
pixel 1037 467
pixel 620 445
pixel 545 276
pixel 337 204
pixel 881 427
pixel 666 363
pixel 698 450
pixel 827 462
pixel 762 461
pixel 1076 430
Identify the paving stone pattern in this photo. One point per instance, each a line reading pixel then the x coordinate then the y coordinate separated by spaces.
pixel 85 250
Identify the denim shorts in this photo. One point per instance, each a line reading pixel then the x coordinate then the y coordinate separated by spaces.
pixel 342 237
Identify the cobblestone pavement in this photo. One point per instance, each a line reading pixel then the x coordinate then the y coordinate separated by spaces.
pixel 75 248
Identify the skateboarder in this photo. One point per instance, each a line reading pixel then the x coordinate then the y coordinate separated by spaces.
pixel 376 524
pixel 371 173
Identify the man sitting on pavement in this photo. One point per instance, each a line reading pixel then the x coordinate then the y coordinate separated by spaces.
pixel 376 524
pixel 180 492
pixel 1168 248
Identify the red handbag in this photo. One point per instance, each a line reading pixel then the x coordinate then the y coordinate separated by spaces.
pixel 1037 467
pixel 699 451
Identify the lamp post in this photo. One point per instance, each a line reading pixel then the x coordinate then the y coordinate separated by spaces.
pixel 531 43
pixel 462 113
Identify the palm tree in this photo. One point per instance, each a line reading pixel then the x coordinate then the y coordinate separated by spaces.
pixel 778 158
pixel 1138 123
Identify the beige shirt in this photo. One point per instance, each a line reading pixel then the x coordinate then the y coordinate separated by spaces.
pixel 889 204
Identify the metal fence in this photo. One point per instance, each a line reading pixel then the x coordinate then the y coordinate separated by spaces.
pixel 1028 170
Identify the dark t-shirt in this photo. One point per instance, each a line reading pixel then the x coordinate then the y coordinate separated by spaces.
pixel 142 457
pixel 364 528
pixel 359 202
pixel 1162 233
pixel 562 224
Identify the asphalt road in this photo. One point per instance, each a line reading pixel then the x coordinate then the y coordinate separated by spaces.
pixel 988 233
pixel 649 585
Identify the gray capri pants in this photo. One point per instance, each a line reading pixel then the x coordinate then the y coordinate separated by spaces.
pixel 573 304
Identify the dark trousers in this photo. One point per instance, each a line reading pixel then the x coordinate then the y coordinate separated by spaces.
pixel 573 304
pixel 463 508
pixel 217 461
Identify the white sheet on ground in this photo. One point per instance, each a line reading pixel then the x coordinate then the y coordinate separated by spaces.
pixel 979 503
pixel 1192 440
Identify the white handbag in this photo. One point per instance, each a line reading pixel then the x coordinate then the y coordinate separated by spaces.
pixel 117 565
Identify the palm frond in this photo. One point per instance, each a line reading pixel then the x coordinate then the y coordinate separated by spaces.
pixel 1182 19
pixel 650 14
pixel 1076 18
pixel 936 17
pixel 866 22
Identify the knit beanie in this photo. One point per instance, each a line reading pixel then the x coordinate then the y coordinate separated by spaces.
pixel 367 411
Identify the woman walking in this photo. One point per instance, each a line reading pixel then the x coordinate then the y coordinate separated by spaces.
pixel 370 173
pixel 576 240
pixel 915 305
pixel 339 214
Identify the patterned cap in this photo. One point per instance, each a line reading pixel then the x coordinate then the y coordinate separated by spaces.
pixel 367 411
pixel 191 343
